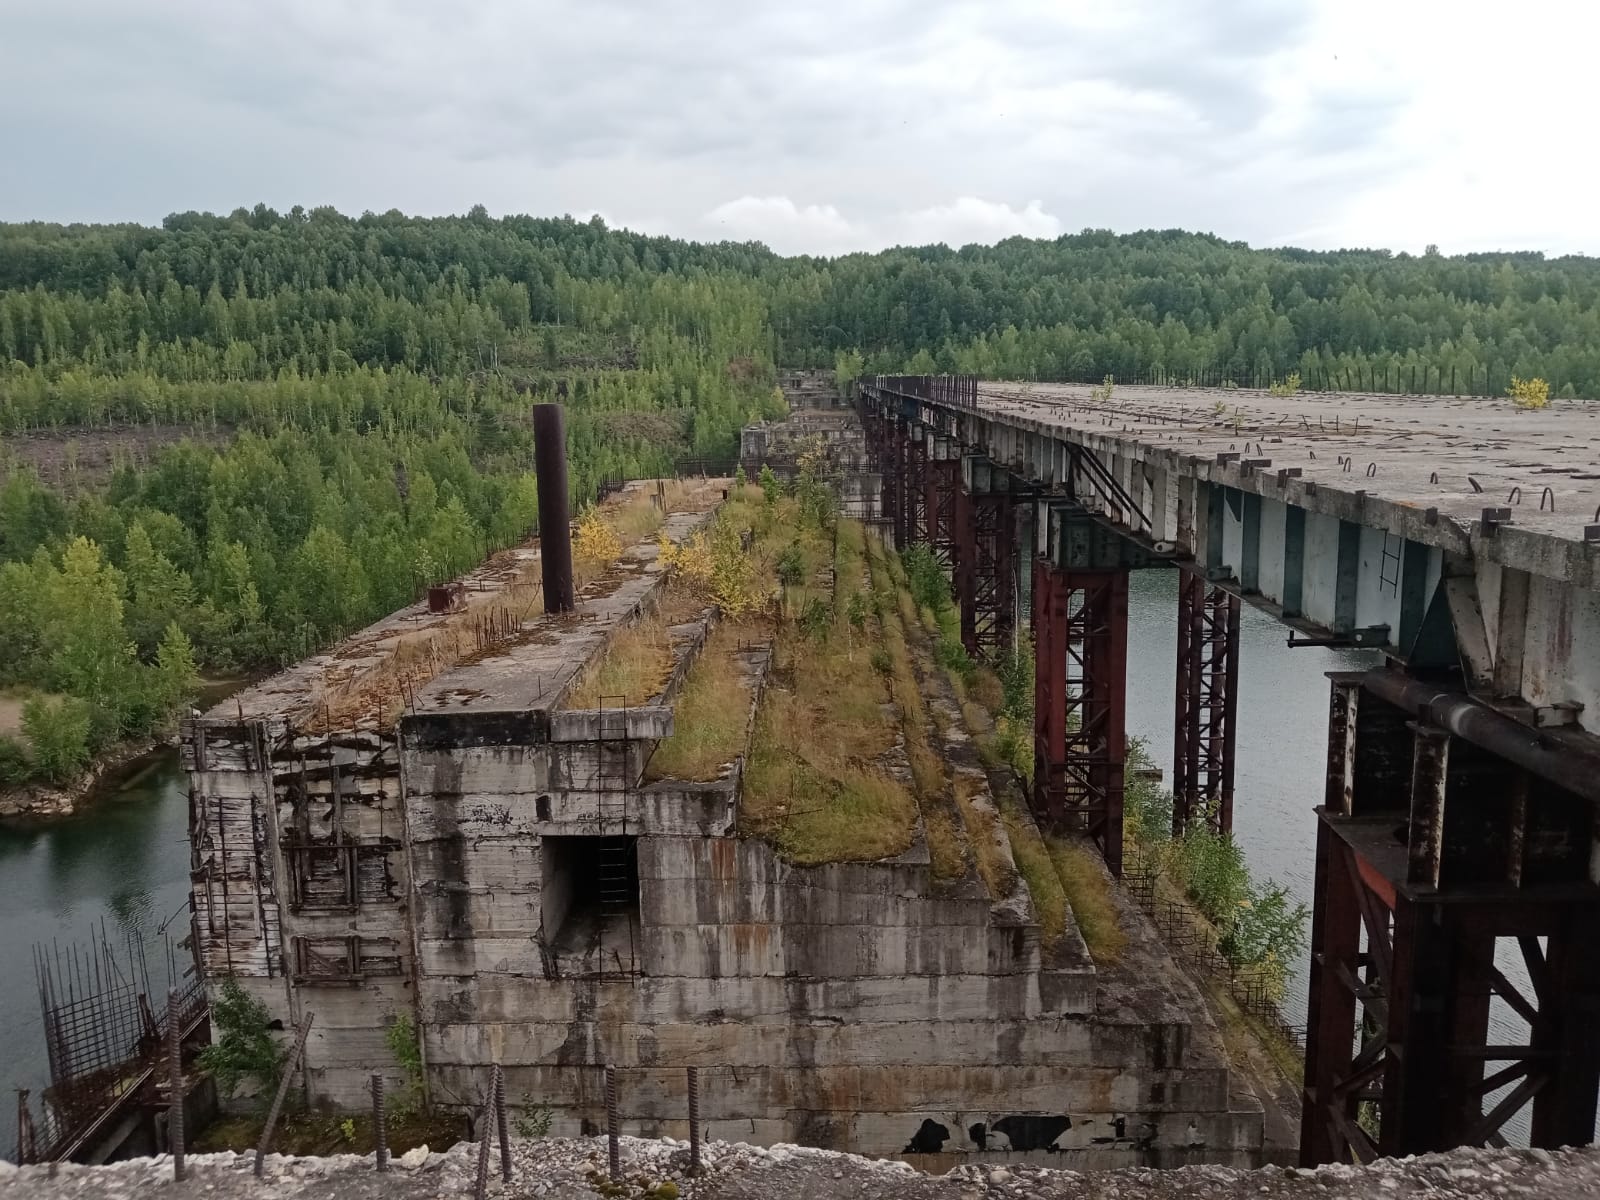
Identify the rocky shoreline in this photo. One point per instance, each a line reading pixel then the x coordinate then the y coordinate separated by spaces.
pixel 50 801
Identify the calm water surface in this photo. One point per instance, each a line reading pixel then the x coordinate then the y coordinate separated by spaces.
pixel 123 863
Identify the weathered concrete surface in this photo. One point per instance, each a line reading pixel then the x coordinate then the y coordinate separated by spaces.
pixel 1344 515
pixel 577 1169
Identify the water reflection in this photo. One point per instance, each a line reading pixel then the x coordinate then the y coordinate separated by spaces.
pixel 123 862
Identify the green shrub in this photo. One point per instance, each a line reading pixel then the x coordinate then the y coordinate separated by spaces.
pixel 242 1046
pixel 16 764
pixel 401 1038
pixel 59 733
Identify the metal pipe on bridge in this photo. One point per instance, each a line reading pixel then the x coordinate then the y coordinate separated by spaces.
pixel 555 517
pixel 1556 760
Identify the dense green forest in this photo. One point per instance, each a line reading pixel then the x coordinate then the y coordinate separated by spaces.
pixel 312 416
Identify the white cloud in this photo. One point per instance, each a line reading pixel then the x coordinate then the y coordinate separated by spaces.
pixel 971 219
pixel 784 225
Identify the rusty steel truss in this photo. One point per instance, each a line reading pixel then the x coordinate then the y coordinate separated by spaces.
pixel 1080 638
pixel 1452 905
pixel 1207 704
pixel 943 508
pixel 989 611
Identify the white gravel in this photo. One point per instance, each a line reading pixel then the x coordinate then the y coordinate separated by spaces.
pixel 576 1168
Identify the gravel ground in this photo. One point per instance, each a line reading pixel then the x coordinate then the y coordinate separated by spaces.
pixel 658 1170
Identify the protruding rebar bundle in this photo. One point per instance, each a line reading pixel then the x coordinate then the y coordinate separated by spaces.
pixel 289 1068
pixel 555 531
pixel 501 1123
pixel 694 1120
pixel 175 1085
pixel 380 1127
pixel 612 1149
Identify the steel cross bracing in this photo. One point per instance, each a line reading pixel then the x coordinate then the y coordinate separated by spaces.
pixel 1490 857
pixel 1080 630
pixel 890 463
pixel 917 486
pixel 943 508
pixel 1207 702
pixel 988 622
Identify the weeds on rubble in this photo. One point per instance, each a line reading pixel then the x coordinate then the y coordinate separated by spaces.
pixel 1288 386
pixel 400 1035
pixel 633 669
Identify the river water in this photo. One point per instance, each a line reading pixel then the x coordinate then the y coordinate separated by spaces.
pixel 1280 766
pixel 121 866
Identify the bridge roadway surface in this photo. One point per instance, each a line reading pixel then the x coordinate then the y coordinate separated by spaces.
pixel 1427 450
pixel 1349 516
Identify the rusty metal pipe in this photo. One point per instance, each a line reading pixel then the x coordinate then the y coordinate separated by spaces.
pixel 555 518
pixel 1556 760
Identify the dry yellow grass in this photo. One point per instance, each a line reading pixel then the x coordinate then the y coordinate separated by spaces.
pixel 947 853
pixel 1088 891
pixel 634 666
pixel 1033 861
pixel 712 712
pixel 983 824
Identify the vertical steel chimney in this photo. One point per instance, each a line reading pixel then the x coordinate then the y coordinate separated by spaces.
pixel 555 519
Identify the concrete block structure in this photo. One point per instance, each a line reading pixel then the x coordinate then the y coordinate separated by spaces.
pixel 821 429
pixel 497 866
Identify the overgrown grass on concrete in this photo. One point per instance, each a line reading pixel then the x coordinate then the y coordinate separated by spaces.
pixel 983 826
pixel 893 603
pixel 634 668
pixel 1038 871
pixel 712 713
pixel 947 851
pixel 815 780
pixel 1088 891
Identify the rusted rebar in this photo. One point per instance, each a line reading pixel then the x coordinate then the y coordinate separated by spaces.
pixel 289 1069
pixel 380 1128
pixel 613 1151
pixel 501 1123
pixel 694 1120
pixel 175 1085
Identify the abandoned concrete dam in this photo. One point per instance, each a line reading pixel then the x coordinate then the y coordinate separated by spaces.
pixel 706 807
pixel 478 816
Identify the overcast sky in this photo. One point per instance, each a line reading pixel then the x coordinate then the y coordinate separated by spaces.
pixel 823 126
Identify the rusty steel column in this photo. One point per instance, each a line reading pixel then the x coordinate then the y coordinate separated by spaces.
pixel 1327 1115
pixel 1080 703
pixel 944 485
pixel 1207 704
pixel 894 483
pixel 555 518
pixel 1415 890
pixel 1049 695
pixel 964 567
pixel 994 592
pixel 917 486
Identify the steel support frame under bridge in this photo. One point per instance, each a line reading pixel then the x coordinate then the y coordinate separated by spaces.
pixel 1448 830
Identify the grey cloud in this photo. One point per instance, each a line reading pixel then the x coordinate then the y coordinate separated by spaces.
pixel 668 110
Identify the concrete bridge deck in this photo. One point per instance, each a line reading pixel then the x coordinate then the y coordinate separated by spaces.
pixel 1350 517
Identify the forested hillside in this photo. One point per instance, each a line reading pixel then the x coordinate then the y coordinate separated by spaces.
pixel 227 440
